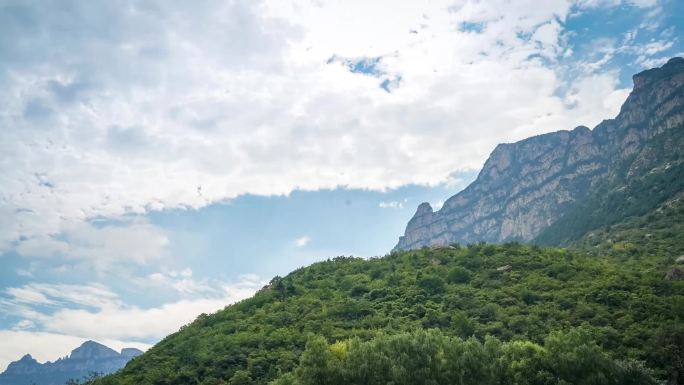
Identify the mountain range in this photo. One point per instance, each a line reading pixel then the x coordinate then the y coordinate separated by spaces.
pixel 90 357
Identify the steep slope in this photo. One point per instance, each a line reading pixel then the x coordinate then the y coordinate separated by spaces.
pixel 509 291
pixel 87 358
pixel 658 232
pixel 526 187
pixel 637 185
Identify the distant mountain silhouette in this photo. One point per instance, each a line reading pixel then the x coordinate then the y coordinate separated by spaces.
pixel 89 357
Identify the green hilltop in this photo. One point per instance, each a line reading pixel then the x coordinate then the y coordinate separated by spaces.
pixel 513 292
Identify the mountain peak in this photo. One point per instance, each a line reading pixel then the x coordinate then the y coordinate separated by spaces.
pixel 424 208
pixel 644 78
pixel 131 352
pixel 26 364
pixel 92 350
pixel 675 61
pixel 89 357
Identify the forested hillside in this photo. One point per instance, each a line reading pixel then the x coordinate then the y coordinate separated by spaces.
pixel 648 181
pixel 513 292
pixel 658 232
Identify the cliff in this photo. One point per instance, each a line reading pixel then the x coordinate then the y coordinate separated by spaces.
pixel 526 187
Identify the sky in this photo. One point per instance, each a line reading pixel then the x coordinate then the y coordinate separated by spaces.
pixel 163 159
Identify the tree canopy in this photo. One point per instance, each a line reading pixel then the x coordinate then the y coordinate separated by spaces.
pixel 621 300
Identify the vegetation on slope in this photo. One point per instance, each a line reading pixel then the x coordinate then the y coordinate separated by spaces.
pixel 431 357
pixel 511 292
pixel 639 184
pixel 659 232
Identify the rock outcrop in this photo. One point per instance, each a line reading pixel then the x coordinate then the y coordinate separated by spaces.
pixel 675 274
pixel 525 187
pixel 89 357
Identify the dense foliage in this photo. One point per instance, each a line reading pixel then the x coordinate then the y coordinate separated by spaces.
pixel 659 232
pixel 621 299
pixel 431 357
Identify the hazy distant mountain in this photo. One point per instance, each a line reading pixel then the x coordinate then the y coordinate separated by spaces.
pixel 557 187
pixel 87 358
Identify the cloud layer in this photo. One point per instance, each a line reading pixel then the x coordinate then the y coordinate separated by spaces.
pixel 118 109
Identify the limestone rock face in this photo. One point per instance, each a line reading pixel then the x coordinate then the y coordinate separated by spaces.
pixel 89 357
pixel 525 187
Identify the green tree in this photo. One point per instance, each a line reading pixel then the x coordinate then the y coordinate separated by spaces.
pixel 241 377
pixel 458 275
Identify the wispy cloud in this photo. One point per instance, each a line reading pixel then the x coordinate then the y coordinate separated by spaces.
pixel 302 241
pixel 91 295
pixel 391 205
pixel 93 311
pixel 23 325
pixel 437 205
pixel 182 282
pixel 132 240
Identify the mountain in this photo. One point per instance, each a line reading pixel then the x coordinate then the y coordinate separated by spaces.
pixel 557 187
pixel 89 357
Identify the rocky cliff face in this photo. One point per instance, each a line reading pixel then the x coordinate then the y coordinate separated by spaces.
pixel 525 187
pixel 89 357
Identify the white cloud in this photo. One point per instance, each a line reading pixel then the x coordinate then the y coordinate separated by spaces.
pixel 437 205
pixel 94 312
pixel 92 295
pixel 24 273
pixel 180 281
pixel 655 47
pixel 614 3
pixel 129 322
pixel 133 322
pixel 302 241
pixel 391 205
pixel 100 245
pixel 23 325
pixel 241 100
pixel 48 346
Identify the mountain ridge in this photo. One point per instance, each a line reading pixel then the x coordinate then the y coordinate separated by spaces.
pixel 88 357
pixel 526 186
